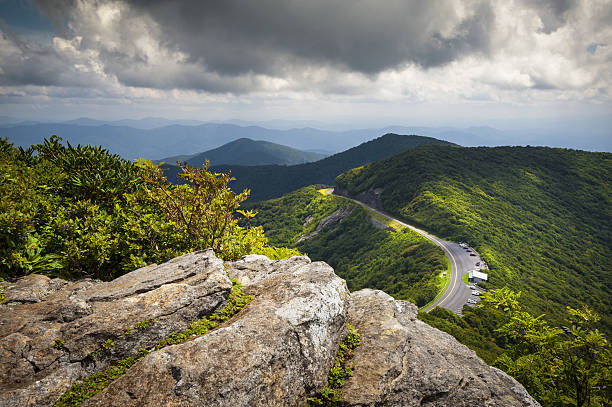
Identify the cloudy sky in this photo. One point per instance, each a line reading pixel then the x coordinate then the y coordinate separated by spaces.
pixel 434 62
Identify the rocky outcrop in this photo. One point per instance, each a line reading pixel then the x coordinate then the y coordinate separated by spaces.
pixel 404 362
pixel 53 332
pixel 329 222
pixel 370 197
pixel 276 351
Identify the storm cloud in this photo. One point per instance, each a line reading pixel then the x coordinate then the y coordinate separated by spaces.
pixel 234 37
pixel 396 48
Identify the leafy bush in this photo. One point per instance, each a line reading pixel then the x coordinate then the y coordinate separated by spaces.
pixel 74 211
pixel 569 365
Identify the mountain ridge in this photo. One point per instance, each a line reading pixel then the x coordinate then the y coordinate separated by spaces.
pixel 267 182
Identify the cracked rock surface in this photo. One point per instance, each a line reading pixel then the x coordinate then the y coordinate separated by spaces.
pixel 404 362
pixel 277 351
pixel 35 370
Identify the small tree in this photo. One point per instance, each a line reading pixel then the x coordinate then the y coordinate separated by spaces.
pixel 204 209
pixel 560 366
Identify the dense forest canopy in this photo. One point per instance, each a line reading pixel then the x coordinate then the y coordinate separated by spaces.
pixel 540 217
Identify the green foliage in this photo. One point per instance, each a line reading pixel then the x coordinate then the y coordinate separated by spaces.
pixel 59 344
pixel 31 259
pixel 79 211
pixel 287 218
pixel 203 211
pixel 569 365
pixel 541 218
pixel 339 372
pixel 403 263
pixel 95 383
pixel 144 324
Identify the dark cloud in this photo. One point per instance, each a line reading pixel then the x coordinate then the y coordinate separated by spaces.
pixel 234 37
pixel 334 46
pixel 58 12
pixel 553 13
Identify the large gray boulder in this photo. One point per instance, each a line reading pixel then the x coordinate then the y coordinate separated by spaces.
pixel 276 352
pixel 404 362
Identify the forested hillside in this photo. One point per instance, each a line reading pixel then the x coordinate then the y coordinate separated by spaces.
pixel 272 181
pixel 540 217
pixel 401 263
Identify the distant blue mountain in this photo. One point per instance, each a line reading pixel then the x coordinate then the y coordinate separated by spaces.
pixel 245 151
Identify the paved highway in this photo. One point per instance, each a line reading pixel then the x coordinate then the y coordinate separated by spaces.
pixel 456 293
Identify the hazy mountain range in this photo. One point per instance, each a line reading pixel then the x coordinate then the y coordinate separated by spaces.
pixel 271 181
pixel 155 138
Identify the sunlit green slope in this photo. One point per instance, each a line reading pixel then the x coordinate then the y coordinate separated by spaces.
pixel 401 263
pixel 540 217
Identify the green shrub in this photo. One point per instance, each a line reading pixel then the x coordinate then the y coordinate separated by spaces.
pixel 79 211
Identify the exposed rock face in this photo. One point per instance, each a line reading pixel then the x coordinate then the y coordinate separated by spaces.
pixel 370 197
pixel 35 370
pixel 329 222
pixel 276 351
pixel 404 362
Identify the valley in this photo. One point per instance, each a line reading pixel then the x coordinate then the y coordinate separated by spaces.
pixel 455 293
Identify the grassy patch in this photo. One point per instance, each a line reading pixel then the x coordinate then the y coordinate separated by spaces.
pixel 443 283
pixel 465 278
pixel 95 383
pixel 339 372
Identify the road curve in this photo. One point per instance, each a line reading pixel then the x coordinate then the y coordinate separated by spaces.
pixel 457 292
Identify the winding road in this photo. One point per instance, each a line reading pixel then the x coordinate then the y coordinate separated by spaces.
pixel 456 293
